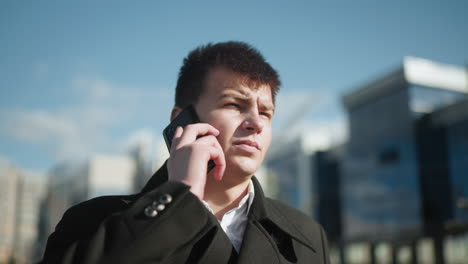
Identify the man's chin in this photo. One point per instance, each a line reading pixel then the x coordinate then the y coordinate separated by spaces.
pixel 243 167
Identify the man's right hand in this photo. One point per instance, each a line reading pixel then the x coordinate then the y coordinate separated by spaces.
pixel 192 148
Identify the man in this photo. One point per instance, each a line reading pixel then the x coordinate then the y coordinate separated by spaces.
pixel 188 215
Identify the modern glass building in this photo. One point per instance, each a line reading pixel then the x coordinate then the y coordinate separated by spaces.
pixel 452 122
pixel 402 171
pixel 325 169
pixel 397 190
pixel 289 163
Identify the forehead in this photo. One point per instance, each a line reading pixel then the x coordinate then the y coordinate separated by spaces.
pixel 221 81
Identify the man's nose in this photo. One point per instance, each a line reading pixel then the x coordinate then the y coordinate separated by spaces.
pixel 253 122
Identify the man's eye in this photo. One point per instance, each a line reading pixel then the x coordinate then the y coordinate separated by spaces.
pixel 231 105
pixel 266 114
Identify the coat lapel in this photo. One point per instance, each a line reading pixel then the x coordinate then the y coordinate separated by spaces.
pixel 220 250
pixel 214 245
pixel 257 246
pixel 265 225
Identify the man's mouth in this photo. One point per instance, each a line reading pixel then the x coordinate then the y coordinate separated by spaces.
pixel 247 145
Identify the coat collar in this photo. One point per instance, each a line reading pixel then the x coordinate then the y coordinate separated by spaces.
pixel 263 210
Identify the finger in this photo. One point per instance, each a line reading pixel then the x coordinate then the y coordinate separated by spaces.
pixel 212 142
pixel 217 156
pixel 209 140
pixel 177 134
pixel 193 131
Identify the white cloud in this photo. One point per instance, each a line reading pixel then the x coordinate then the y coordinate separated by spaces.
pixel 98 91
pixel 62 132
pixel 36 126
pixel 144 140
pixel 79 130
pixel 151 146
pixel 140 137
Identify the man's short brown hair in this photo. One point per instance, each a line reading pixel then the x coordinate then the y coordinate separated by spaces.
pixel 238 57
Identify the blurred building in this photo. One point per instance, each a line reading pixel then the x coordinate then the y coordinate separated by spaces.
pixel 268 181
pixel 107 175
pixel 148 162
pixel 447 129
pixel 21 192
pixel 403 156
pixel 9 181
pixel 397 190
pixel 61 192
pixel 308 178
pixel 443 141
pixel 142 170
pixel 289 163
pixel 30 192
pixel 326 173
pixel 70 184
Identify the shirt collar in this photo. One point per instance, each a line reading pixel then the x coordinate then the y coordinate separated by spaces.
pixel 248 198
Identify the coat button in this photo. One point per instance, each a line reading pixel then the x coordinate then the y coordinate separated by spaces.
pixel 151 212
pixel 165 199
pixel 158 206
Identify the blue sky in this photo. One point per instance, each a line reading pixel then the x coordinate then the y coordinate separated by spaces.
pixel 83 77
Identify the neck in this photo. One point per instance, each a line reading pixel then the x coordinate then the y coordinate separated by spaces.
pixel 223 196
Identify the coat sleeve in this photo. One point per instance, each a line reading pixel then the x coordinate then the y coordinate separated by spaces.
pixel 86 234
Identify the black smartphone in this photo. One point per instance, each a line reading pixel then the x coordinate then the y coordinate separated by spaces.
pixel 186 117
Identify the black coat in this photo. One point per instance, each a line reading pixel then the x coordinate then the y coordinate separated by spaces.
pixel 115 229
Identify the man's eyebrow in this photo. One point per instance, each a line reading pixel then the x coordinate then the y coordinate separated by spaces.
pixel 242 97
pixel 234 94
pixel 268 107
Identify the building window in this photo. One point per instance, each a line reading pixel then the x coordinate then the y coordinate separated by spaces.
pixel 389 156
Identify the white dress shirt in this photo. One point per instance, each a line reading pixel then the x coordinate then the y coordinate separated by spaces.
pixel 235 220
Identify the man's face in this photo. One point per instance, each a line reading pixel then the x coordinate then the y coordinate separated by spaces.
pixel 242 114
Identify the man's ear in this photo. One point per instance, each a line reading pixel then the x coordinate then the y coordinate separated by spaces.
pixel 175 112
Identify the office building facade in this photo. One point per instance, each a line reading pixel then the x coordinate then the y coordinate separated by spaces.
pixel 404 158
pixel 9 181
